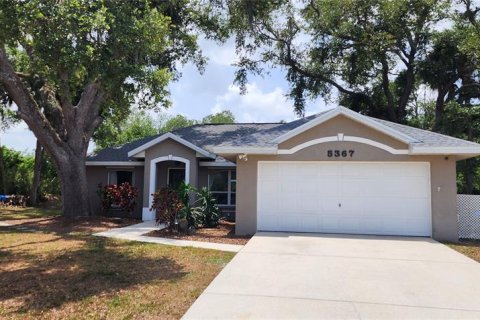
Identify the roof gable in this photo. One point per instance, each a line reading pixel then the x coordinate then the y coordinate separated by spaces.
pixel 174 137
pixel 351 115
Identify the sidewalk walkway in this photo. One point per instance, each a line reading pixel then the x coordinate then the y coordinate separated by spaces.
pixel 136 233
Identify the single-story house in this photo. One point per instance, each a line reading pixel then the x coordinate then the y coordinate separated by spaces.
pixel 335 172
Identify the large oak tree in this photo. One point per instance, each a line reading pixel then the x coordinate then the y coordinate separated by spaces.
pixel 67 65
pixel 366 51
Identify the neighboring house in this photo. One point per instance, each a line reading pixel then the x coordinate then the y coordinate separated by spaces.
pixel 334 172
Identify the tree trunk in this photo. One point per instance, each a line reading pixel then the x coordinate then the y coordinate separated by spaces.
pixel 439 110
pixel 37 173
pixel 74 187
pixel 64 131
pixel 386 90
pixel 3 177
pixel 405 96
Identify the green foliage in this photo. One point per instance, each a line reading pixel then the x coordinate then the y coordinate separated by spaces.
pixel 19 173
pixel 187 213
pixel 222 117
pixel 424 116
pixel 167 205
pixel 337 46
pixel 468 25
pixel 131 46
pixel 123 196
pixel 114 132
pixel 176 122
pixel 207 211
pixel 140 124
pixel 174 208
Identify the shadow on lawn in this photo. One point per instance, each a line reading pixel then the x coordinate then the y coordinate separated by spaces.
pixel 99 266
pixel 8 213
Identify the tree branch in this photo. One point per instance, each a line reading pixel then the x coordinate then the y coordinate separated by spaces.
pixel 28 109
pixel 386 88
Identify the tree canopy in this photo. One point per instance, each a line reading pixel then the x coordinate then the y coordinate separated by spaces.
pixel 222 117
pixel 140 124
pixel 365 51
pixel 68 65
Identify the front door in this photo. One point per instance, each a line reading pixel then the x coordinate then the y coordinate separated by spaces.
pixel 175 177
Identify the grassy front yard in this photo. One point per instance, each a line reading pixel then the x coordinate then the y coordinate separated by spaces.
pixel 470 249
pixel 64 273
pixel 9 213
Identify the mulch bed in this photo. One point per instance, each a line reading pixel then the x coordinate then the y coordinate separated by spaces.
pixel 223 233
pixel 66 225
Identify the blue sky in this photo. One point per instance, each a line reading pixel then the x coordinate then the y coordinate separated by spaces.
pixel 197 95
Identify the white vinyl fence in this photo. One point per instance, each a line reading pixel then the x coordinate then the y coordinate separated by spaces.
pixel 468 210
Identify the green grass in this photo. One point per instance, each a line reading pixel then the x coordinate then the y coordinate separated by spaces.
pixel 469 248
pixel 14 213
pixel 55 275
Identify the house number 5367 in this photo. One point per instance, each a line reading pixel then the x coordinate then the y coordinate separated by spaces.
pixel 340 153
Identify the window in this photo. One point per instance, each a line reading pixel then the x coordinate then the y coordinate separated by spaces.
pixel 223 185
pixel 120 176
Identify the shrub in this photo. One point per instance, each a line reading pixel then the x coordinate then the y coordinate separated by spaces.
pixel 188 211
pixel 167 205
pixel 123 196
pixel 207 212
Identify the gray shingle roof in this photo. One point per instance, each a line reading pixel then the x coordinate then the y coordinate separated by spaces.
pixel 207 136
pixel 118 153
pixel 427 138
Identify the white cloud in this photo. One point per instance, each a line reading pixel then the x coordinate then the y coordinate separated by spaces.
pixel 222 54
pixel 260 106
pixel 19 137
pixel 255 105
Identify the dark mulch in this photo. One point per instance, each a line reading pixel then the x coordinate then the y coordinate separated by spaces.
pixel 223 233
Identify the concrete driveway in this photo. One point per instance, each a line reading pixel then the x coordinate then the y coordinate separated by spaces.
pixel 286 275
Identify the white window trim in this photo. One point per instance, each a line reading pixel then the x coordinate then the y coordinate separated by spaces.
pixel 229 188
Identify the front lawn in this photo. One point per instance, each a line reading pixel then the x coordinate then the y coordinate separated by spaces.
pixel 55 273
pixel 469 248
pixel 17 213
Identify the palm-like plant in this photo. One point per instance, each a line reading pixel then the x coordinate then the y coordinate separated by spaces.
pixel 207 211
pixel 188 211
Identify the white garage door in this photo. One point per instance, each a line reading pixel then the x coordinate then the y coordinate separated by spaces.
pixel 385 198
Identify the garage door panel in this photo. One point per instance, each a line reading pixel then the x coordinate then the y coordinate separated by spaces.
pixel 374 198
pixel 360 170
pixel 327 187
pixel 327 170
pixel 307 170
pixel 355 187
pixel 352 204
pixel 307 187
pixel 270 187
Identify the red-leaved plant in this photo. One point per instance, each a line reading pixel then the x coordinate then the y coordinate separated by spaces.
pixel 123 196
pixel 167 205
